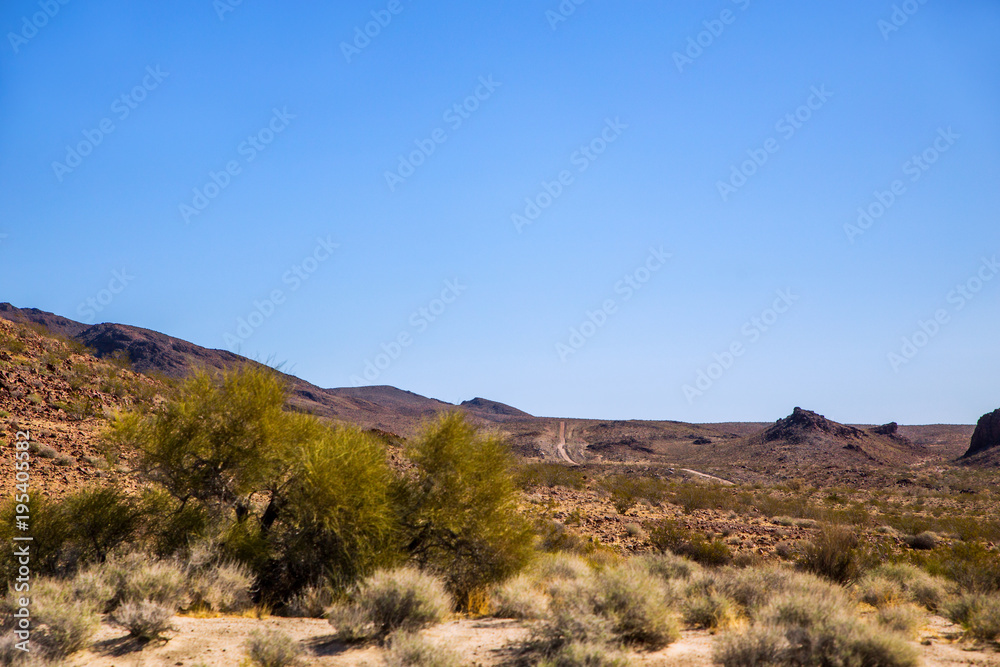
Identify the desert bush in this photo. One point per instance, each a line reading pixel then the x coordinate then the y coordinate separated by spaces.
pixel 572 619
pixel 92 586
pixel 530 475
pixel 144 620
pixel 751 588
pixel 223 587
pixel 627 491
pixel 974 566
pixel 984 621
pixel 555 566
pixel 668 535
pixel 905 619
pixel 411 650
pixel 402 599
pixel 667 566
pixel 579 654
pixel 833 554
pixel 754 647
pixel 311 602
pixel 518 597
pixel 63 625
pixel 272 648
pixel 710 609
pixel 459 508
pixel 134 579
pixel 978 613
pixel 637 604
pixel 923 540
pixel 895 582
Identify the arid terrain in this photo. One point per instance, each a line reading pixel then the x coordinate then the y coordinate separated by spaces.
pixel 746 494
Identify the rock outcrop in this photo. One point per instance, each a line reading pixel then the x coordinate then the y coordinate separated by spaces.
pixel 987 434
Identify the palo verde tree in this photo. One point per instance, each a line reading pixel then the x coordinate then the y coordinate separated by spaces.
pixel 459 508
pixel 292 497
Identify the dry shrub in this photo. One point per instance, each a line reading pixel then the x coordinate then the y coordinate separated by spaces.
pixel 518 597
pixel 272 648
pixel 754 647
pixel 906 618
pixel 578 654
pixel 403 599
pixel 144 620
pixel 559 566
pixel 668 566
pixel 978 613
pixel 833 554
pixel 135 578
pixel 311 602
pixel 637 605
pixel 411 650
pixel 924 540
pixel 668 535
pixel 901 582
pixel 224 587
pixel 709 610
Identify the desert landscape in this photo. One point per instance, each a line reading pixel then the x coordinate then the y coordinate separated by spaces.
pixel 706 529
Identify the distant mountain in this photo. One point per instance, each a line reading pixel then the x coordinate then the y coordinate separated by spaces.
pixel 802 441
pixel 807 438
pixel 379 407
pixel 487 407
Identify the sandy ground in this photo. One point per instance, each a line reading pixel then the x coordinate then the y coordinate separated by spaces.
pixel 219 642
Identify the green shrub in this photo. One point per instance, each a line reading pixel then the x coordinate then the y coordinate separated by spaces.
pixel 411 650
pixel 460 508
pixel 923 540
pixel 144 620
pixel 558 566
pixel 272 648
pixel 974 566
pixel 750 588
pixel 402 599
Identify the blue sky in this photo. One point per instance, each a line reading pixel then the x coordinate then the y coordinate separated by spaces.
pixel 648 131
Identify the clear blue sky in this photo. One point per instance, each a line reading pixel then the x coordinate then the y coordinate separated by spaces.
pixel 199 82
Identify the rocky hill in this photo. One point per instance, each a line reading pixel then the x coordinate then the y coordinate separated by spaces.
pixel 984 446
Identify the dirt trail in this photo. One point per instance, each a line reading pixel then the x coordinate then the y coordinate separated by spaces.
pixel 706 476
pixel 561 444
